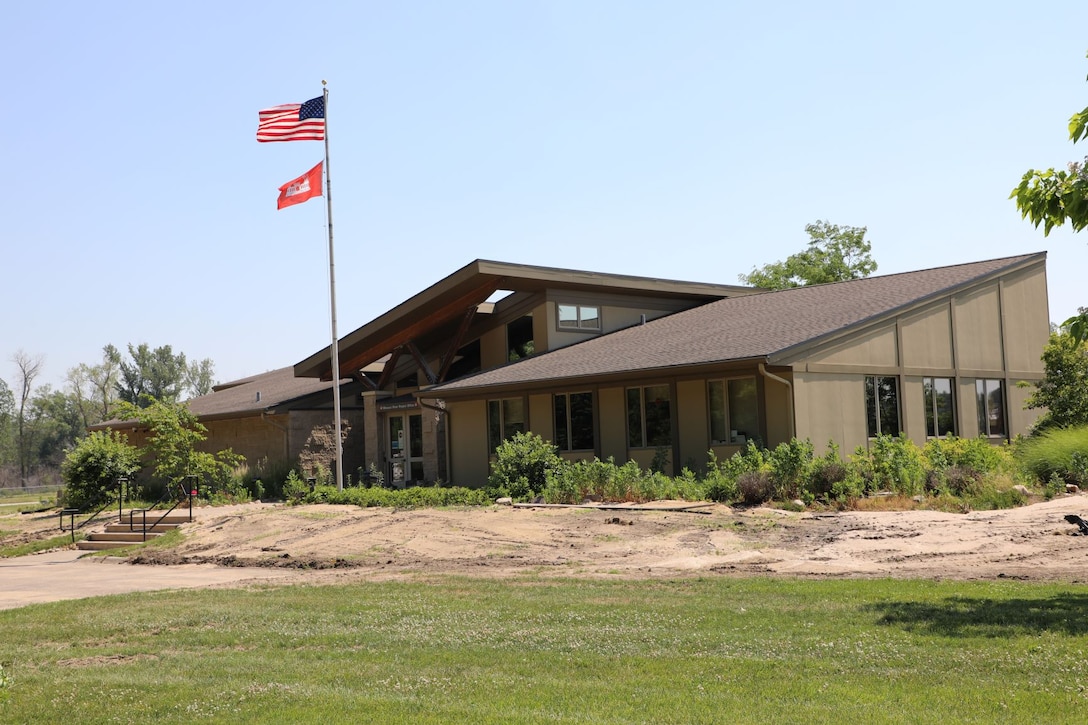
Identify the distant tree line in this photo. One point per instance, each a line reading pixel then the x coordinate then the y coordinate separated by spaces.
pixel 38 423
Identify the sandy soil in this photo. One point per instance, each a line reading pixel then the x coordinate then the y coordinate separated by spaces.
pixel 1031 543
pixel 334 543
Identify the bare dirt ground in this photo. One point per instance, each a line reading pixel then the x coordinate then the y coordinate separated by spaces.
pixel 1031 543
pixel 343 543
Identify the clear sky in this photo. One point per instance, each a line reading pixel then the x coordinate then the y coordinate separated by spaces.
pixel 684 140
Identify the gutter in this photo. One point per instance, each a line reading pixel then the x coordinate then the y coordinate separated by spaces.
pixel 788 384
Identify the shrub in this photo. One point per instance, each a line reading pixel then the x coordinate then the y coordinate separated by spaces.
pixel 755 487
pixel 897 465
pixel 789 466
pixel 826 474
pixel 522 464
pixel 91 469
pixel 1056 453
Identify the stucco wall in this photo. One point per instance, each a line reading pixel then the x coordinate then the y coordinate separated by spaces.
pixel 468 442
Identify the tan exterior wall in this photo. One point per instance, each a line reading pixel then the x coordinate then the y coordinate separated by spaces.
pixel 612 411
pixel 966 408
pixel 540 416
pixel 830 407
pixel 927 338
pixel 878 347
pixel 258 439
pixel 776 397
pixel 693 424
pixel 1020 420
pixel 613 317
pixel 912 408
pixel 468 442
pixel 977 319
pixel 1026 320
pixel 493 351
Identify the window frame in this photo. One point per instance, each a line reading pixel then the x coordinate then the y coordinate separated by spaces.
pixel 644 440
pixel 579 319
pixel 879 411
pixel 930 406
pixel 497 414
pixel 727 412
pixel 982 407
pixel 569 435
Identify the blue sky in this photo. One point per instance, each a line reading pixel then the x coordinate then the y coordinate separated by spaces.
pixel 683 140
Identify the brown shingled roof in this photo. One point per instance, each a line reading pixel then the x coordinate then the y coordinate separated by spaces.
pixel 768 326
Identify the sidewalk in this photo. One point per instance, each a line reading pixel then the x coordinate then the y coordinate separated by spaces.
pixel 71 574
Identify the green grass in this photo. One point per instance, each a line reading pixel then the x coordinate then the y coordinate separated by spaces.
pixel 525 651
pixel 32 547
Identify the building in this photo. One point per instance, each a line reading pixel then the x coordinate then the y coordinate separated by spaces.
pixel 636 368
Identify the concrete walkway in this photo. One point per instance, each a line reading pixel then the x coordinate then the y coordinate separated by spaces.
pixel 71 574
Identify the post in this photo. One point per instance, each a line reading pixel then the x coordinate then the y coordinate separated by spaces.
pixel 335 346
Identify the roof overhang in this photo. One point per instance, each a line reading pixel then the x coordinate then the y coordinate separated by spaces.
pixel 438 310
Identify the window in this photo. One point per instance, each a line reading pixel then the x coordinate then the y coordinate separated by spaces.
pixel 578 317
pixel 882 405
pixel 574 421
pixel 940 418
pixel 505 418
pixel 990 395
pixel 649 417
pixel 734 412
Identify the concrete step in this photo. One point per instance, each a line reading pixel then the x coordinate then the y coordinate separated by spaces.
pixel 137 527
pixel 133 537
pixel 153 516
pixel 86 545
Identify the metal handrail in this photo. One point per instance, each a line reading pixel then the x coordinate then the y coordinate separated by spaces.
pixel 71 512
pixel 189 494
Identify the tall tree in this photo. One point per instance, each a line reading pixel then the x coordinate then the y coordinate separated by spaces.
pixel 28 368
pixel 94 387
pixel 1052 198
pixel 7 429
pixel 1064 390
pixel 156 374
pixel 200 377
pixel 834 254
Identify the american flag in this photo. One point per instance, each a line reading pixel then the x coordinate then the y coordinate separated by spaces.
pixel 293 122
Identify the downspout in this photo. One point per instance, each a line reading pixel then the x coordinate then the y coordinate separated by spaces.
pixel 449 448
pixel 789 399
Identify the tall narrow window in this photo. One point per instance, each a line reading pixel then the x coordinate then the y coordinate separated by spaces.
pixel 940 416
pixel 882 405
pixel 990 396
pixel 734 411
pixel 574 421
pixel 578 317
pixel 649 416
pixel 505 418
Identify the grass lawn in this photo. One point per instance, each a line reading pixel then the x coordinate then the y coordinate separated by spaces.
pixel 527 651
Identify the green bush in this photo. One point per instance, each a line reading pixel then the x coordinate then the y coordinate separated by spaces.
pixel 1060 453
pixel 897 465
pixel 789 465
pixel 91 469
pixel 522 464
pixel 827 474
pixel 411 497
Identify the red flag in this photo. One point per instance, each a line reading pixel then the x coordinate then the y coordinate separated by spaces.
pixel 293 121
pixel 299 190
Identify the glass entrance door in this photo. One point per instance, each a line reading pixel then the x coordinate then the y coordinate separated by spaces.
pixel 405 449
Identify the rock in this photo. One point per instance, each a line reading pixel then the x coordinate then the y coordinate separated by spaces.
pixel 1021 489
pixel 505 501
pixel 798 502
pixel 918 499
pixel 1072 488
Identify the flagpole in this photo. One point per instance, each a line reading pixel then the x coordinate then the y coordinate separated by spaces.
pixel 335 346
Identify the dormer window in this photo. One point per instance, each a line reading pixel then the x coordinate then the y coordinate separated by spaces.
pixel 579 317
